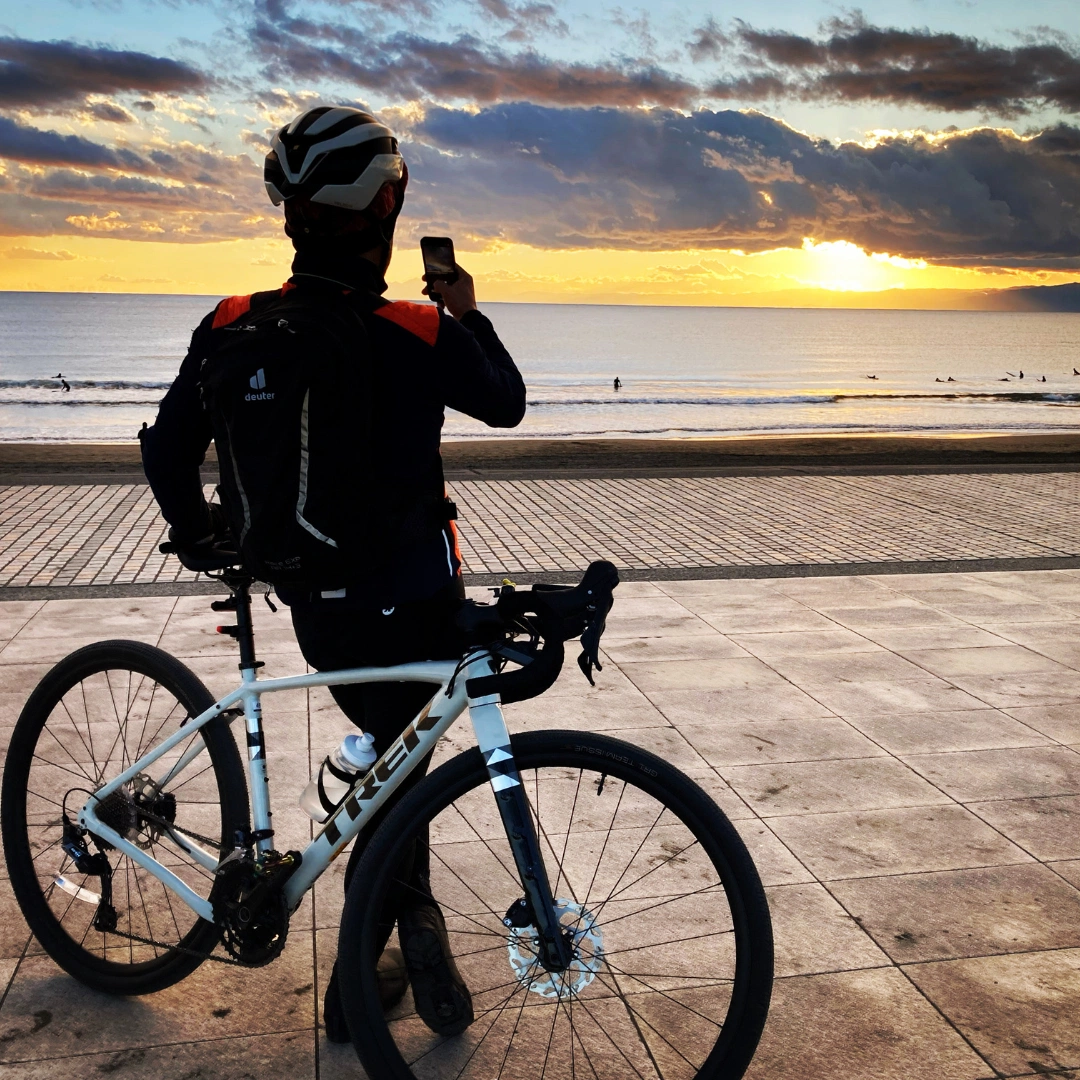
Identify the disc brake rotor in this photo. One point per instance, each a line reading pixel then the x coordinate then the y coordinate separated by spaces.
pixel 587 943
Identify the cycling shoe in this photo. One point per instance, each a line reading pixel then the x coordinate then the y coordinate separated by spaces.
pixel 442 999
pixel 393 982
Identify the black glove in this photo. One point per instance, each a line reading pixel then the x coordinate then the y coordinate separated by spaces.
pixel 214 551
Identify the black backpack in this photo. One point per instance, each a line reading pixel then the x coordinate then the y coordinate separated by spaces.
pixel 288 388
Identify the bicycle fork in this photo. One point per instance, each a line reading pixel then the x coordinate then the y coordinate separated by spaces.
pixel 494 740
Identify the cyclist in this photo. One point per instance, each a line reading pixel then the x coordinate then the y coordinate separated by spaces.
pixel 342 181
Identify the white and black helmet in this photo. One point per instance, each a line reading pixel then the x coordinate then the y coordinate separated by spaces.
pixel 337 157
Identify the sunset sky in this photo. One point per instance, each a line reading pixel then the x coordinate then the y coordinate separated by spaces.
pixel 695 152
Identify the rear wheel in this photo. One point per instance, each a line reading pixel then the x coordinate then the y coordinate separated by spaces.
pixel 670 928
pixel 96 713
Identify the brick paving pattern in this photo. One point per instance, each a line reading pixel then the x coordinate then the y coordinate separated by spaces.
pixel 108 534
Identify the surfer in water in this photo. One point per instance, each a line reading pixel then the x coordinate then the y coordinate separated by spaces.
pixel 617 384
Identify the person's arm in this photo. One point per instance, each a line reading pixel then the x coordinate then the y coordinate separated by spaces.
pixel 175 447
pixel 476 374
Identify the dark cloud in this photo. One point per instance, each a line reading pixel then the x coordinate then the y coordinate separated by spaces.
pixel 29 144
pixel 853 61
pixel 409 65
pixel 564 178
pixel 110 112
pixel 144 106
pixel 708 42
pixel 47 73
pixel 525 20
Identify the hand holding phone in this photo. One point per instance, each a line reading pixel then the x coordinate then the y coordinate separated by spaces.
pixel 446 282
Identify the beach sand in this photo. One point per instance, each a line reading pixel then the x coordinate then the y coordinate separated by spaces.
pixel 505 458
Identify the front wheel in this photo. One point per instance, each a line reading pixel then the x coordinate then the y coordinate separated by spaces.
pixel 91 717
pixel 668 922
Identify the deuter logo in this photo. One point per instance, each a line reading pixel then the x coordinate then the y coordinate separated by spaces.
pixel 257 382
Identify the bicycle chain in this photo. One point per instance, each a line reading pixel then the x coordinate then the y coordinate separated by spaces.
pixel 148 816
pixel 179 949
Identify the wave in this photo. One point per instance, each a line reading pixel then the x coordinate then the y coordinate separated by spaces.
pixel 83 384
pixel 808 399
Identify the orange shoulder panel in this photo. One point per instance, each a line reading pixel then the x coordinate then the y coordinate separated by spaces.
pixel 230 309
pixel 419 319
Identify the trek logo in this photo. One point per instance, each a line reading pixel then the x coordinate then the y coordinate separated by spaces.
pixel 385 767
pixel 257 382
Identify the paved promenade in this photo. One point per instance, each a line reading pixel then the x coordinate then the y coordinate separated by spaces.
pixel 899 752
pixel 107 534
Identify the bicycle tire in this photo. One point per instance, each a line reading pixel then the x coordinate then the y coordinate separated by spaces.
pixel 80 690
pixel 613 766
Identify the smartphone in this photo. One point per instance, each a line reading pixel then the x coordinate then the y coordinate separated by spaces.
pixel 438 253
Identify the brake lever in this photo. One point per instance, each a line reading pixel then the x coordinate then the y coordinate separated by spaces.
pixel 590 645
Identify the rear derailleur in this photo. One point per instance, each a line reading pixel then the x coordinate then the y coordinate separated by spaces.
pixel 97 865
pixel 250 906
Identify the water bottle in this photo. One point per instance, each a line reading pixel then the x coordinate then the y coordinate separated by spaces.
pixel 336 775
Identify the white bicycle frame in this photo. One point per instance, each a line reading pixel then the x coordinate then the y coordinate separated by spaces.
pixel 367 794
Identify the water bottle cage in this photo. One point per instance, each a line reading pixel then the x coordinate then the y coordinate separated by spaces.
pixel 344 777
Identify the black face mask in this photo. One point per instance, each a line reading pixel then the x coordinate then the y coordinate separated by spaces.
pixel 339 258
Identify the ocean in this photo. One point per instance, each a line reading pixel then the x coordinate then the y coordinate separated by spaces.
pixel 685 372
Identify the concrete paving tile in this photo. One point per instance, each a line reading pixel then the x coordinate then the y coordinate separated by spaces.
pixel 671 647
pixel 896 613
pixel 855 700
pixel 859 1025
pixel 1060 722
pixel 813 933
pixel 775 864
pixel 14 933
pixel 20 609
pixel 1036 688
pixel 1018 1011
pixel 288 1056
pixel 215 1001
pixel 733 589
pixel 26 649
pixel 740 673
pixel 1049 827
pixel 1023 772
pixel 654 606
pixel 990 616
pixel 667 743
pixel 646 626
pixel 758 620
pixel 904 840
pixel 902 639
pixel 782 702
pixel 985 660
pixel 1069 870
pixel 958 913
pixel 7 971
pixel 752 742
pixel 721 793
pixel 803 642
pixel 933 732
pixel 835 591
pixel 831 669
pixel 820 787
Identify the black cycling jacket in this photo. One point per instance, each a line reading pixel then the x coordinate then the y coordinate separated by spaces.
pixel 424 361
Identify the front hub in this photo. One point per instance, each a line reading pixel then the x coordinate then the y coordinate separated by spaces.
pixel 587 954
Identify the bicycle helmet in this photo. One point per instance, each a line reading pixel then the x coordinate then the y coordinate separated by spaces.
pixel 336 157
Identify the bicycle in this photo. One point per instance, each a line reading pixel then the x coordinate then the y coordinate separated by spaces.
pixel 603 911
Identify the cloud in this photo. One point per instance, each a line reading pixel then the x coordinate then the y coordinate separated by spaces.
pixel 37 253
pixel 853 61
pixel 660 180
pixel 45 73
pixel 23 143
pixel 525 20
pixel 110 112
pixel 407 65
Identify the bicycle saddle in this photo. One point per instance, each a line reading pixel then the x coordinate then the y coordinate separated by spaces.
pixel 215 557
